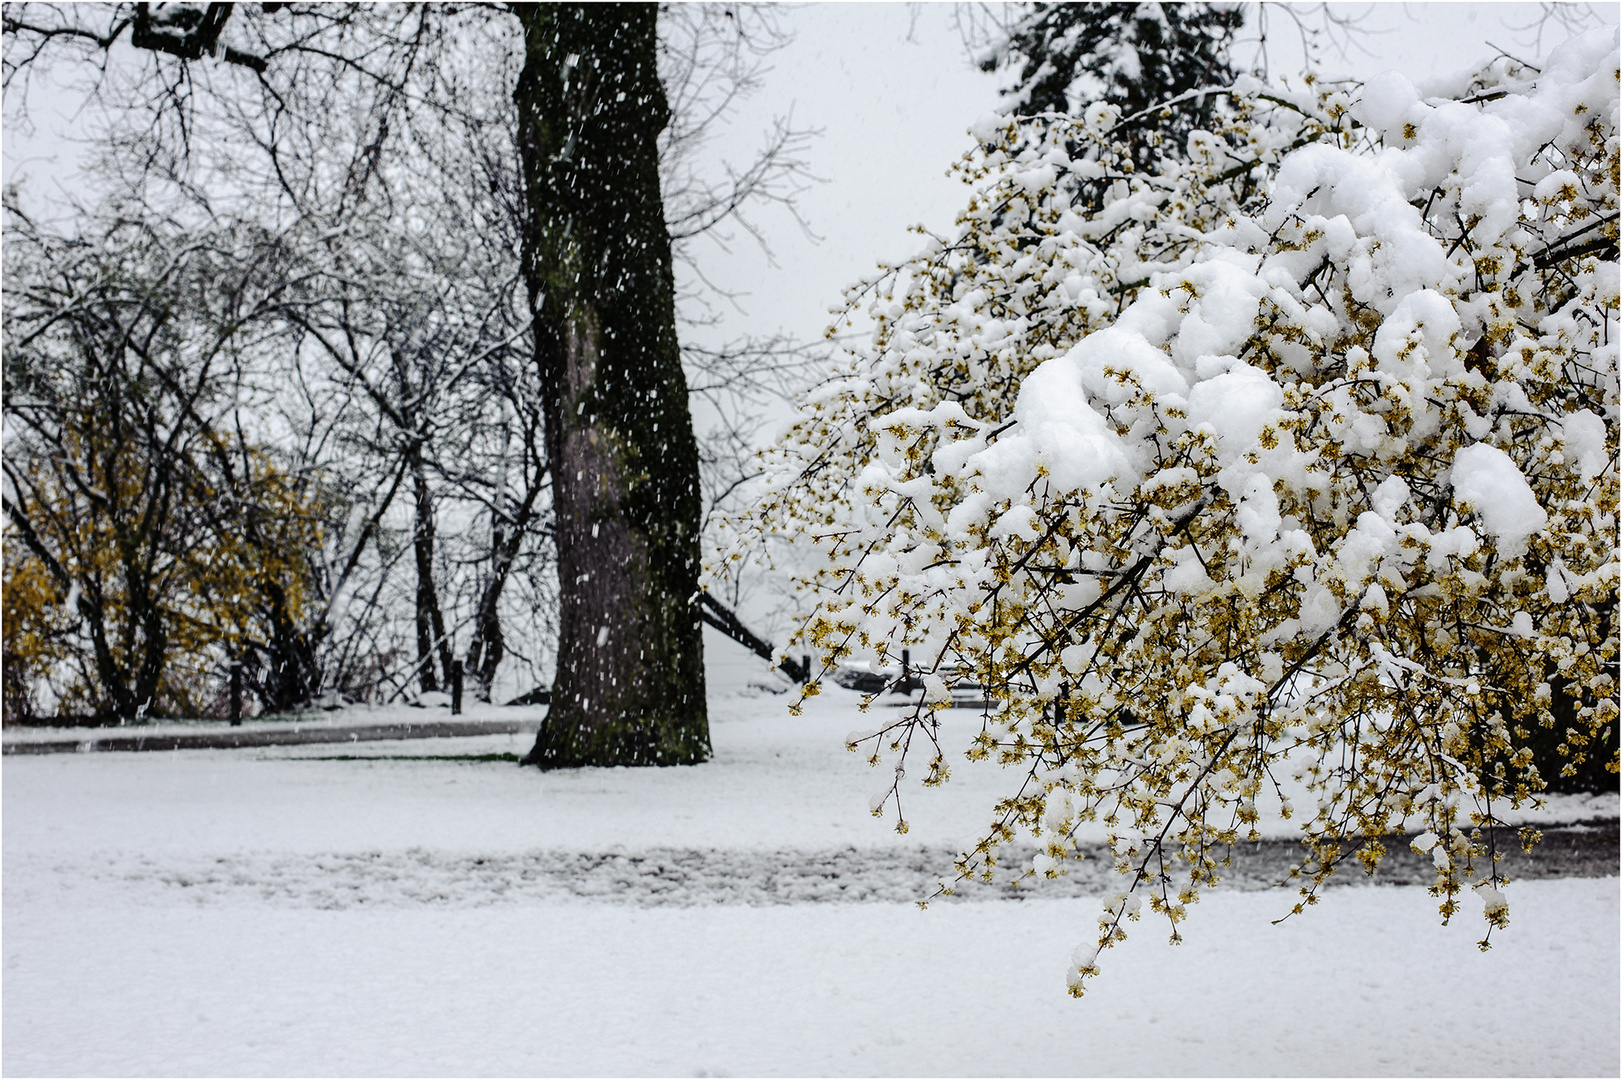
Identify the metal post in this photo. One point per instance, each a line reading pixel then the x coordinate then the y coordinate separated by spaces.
pixel 456 688
pixel 905 685
pixel 236 693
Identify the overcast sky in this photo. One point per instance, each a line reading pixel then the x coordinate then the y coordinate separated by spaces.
pixel 893 90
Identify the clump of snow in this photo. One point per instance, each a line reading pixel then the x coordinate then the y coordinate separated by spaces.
pixel 1488 480
pixel 1585 440
pixel 986 126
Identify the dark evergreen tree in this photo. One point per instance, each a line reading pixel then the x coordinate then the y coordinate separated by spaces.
pixel 1134 56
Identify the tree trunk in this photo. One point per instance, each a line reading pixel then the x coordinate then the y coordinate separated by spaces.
pixel 432 642
pixel 285 671
pixel 489 646
pixel 630 682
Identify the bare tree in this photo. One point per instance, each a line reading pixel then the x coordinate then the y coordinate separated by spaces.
pixel 321 118
pixel 161 524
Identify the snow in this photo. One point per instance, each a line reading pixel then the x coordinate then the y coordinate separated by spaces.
pixel 272 912
pixel 1487 478
pixel 1585 440
pixel 279 911
pixel 434 709
pixel 881 989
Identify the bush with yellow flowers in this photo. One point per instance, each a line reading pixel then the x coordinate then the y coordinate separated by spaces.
pixel 1283 481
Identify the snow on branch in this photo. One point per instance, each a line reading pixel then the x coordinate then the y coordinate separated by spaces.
pixel 1283 479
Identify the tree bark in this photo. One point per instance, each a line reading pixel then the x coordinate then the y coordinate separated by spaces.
pixel 285 670
pixel 489 646
pixel 630 682
pixel 432 642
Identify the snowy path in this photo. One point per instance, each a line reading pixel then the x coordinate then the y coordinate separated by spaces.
pixel 228 738
pixel 353 724
pixel 694 876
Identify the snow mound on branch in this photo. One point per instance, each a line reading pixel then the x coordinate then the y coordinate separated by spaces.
pixel 1489 479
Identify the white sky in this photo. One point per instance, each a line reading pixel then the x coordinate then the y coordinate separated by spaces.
pixel 894 92
pixel 895 112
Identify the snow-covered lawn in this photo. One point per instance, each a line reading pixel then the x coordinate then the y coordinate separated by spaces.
pixel 268 911
pixel 103 984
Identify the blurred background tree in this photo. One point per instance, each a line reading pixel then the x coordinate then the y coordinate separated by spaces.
pixel 152 537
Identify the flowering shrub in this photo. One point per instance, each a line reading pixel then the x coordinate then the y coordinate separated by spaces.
pixel 1292 469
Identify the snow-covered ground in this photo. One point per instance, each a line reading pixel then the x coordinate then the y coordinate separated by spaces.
pixel 312 720
pixel 392 908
